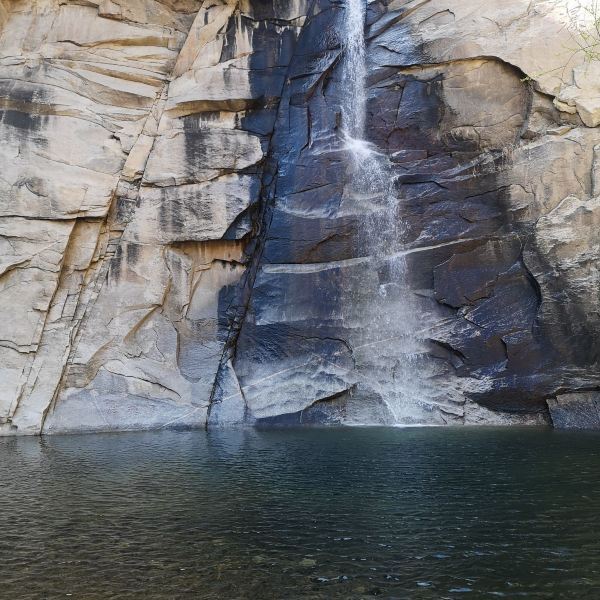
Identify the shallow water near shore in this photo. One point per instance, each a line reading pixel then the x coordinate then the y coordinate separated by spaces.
pixel 315 513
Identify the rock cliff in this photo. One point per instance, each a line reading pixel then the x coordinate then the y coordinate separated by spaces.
pixel 179 247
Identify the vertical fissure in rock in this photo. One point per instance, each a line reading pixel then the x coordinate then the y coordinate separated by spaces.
pixel 254 254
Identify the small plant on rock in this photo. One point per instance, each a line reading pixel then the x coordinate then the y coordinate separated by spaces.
pixel 584 25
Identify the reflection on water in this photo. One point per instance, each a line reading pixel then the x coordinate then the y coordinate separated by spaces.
pixel 398 513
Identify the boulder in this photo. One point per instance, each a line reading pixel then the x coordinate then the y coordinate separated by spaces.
pixel 576 410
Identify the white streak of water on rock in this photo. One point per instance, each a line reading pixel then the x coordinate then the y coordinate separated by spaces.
pixel 371 191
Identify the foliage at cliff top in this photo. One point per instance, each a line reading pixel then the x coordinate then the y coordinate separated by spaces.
pixel 584 24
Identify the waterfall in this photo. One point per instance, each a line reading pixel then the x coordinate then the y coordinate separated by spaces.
pixel 354 108
pixel 371 179
pixel 372 195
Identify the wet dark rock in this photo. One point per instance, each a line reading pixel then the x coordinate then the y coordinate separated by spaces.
pixel 577 410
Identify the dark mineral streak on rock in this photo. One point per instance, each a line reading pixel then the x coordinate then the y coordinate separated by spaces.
pixel 304 176
pixel 269 76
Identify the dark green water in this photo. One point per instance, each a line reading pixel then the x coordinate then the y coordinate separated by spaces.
pixel 394 513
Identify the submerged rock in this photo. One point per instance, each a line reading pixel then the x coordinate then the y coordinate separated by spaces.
pixel 181 245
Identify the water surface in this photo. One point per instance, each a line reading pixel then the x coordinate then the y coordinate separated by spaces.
pixel 394 513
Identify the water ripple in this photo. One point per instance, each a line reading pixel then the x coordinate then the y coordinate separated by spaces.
pixel 394 513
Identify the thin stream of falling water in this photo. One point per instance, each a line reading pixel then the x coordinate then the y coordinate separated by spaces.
pixel 354 109
pixel 372 189
pixel 371 180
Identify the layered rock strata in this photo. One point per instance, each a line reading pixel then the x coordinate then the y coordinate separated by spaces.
pixel 180 248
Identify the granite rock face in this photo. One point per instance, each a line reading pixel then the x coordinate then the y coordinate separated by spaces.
pixel 180 246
